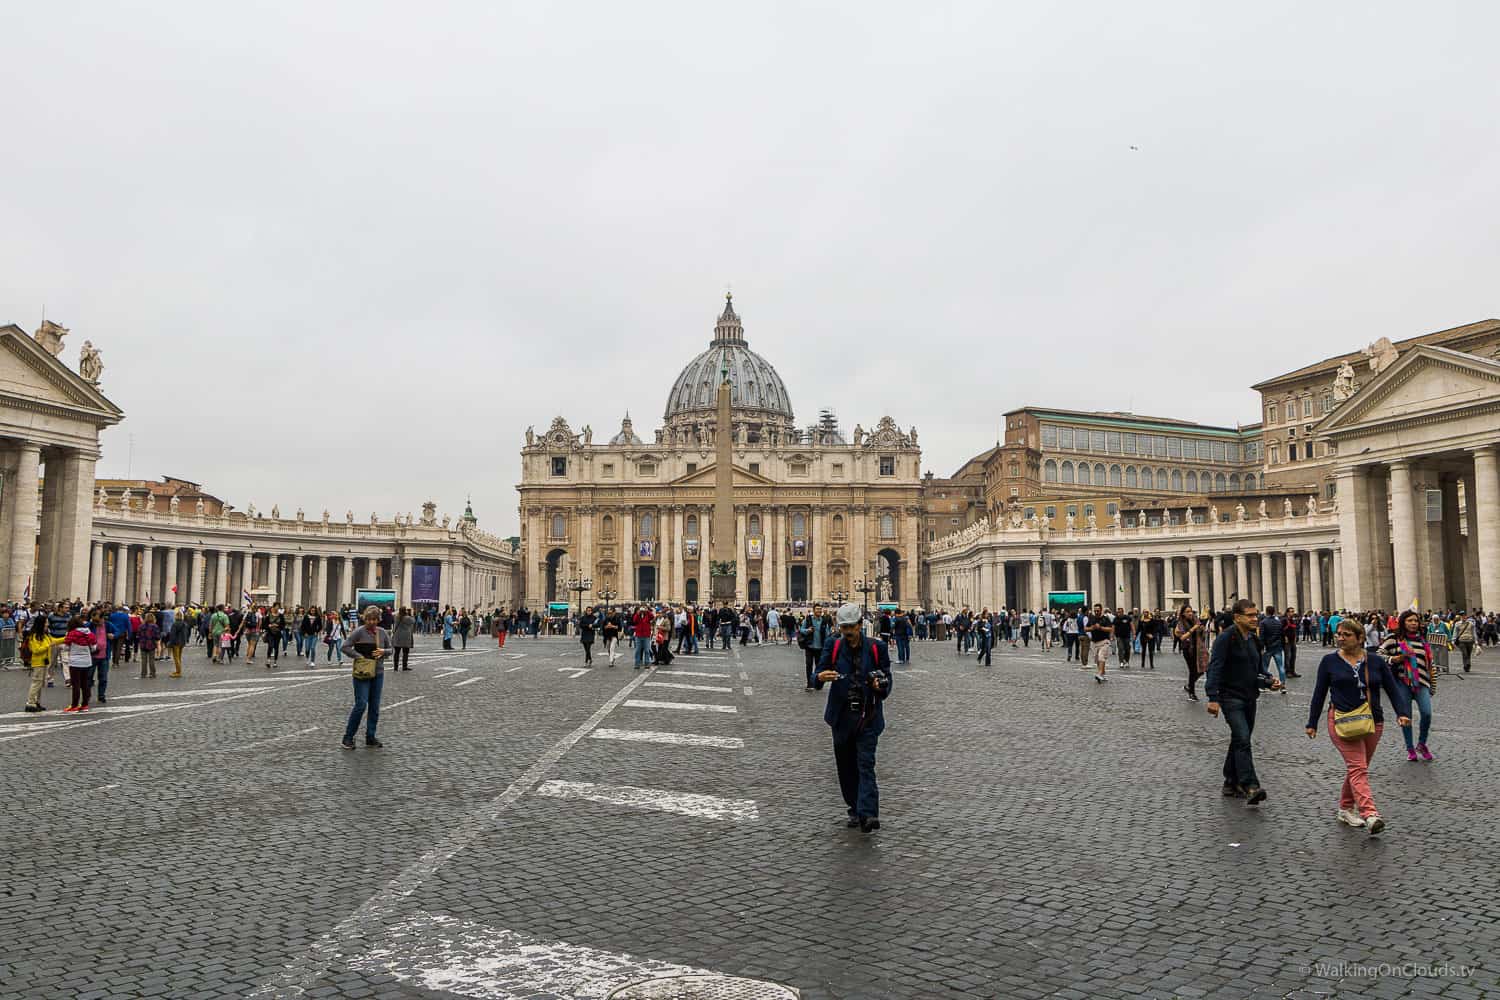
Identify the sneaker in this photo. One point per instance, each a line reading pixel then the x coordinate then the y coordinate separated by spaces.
pixel 1230 791
pixel 1422 749
pixel 869 824
pixel 1350 818
pixel 103 700
pixel 347 743
pixel 1098 678
pixel 33 708
pixel 1254 795
pixel 371 741
pixel 73 708
pixel 1374 824
pixel 852 822
pixel 83 708
pixel 1411 754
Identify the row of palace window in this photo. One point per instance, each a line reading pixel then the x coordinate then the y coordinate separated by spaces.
pixel 648 469
pixel 1145 445
pixel 1144 478
pixel 646 526
pixel 1291 407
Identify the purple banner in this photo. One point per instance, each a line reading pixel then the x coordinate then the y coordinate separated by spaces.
pixel 425 582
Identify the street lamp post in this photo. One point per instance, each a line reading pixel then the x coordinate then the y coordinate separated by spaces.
pixel 606 595
pixel 580 586
pixel 867 586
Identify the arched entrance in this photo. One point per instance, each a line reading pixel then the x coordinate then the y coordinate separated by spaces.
pixel 888 575
pixel 754 591
pixel 645 583
pixel 692 590
pixel 554 574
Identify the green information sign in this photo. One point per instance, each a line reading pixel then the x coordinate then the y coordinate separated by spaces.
pixel 1067 598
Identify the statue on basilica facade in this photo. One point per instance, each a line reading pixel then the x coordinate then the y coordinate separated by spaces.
pixel 89 365
pixel 530 436
pixel 199 507
pixel 1312 504
pixel 172 504
pixel 1262 510
pixel 1239 512
pixel 859 435
pixel 1382 354
pixel 1093 522
pixel 1286 509
pixel 1344 385
pixel 588 434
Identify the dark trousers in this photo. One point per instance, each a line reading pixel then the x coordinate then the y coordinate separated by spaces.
pixel 81 681
pixel 1291 657
pixel 1239 764
pixel 984 649
pixel 1191 659
pixel 1148 652
pixel 1123 645
pixel 403 658
pixel 588 650
pixel 903 647
pixel 855 756
pixel 812 662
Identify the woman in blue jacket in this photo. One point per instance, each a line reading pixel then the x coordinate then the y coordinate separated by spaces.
pixel 1348 678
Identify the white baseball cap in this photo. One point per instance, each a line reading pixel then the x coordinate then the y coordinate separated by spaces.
pixel 849 615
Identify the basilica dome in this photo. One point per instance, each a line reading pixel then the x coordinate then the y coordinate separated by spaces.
pixel 754 387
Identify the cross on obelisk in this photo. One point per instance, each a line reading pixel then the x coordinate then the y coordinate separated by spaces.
pixel 723 554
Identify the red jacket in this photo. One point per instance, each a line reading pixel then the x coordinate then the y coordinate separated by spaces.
pixel 641 623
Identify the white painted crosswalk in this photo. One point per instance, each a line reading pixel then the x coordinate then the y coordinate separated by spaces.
pixel 671 739
pixel 681 706
pixel 689 687
pixel 653 799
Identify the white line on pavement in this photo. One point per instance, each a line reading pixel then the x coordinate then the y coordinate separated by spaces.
pixel 459 957
pixel 744 676
pixel 749 690
pixel 690 687
pixel 577 672
pixel 674 739
pixel 512 670
pixel 688 706
pixel 653 799
pixel 192 694
pixel 354 930
pixel 690 673
pixel 387 708
pixel 471 680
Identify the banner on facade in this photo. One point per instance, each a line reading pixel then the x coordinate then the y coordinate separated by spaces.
pixel 799 547
pixel 690 547
pixel 646 550
pixel 754 547
pixel 426 582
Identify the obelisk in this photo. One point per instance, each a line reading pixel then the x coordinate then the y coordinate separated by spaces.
pixel 723 555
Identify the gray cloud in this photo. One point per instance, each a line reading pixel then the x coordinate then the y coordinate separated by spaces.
pixel 288 224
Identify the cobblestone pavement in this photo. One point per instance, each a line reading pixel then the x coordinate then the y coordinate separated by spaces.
pixel 532 830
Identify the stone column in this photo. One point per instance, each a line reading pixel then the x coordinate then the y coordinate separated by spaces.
pixel 775 586
pixel 369 583
pixel 195 576
pixel 46 538
pixel 1072 574
pixel 1353 493
pixel 1195 583
pixel 819 542
pixel 1034 580
pixel 741 555
pixel 1241 576
pixel 96 572
pixel 320 581
pixel 144 591
pixel 1148 586
pixel 1338 579
pixel 122 571
pixel 1381 573
pixel 170 589
pixel 585 555
pixel 227 594
pixel 75 520
pixel 1289 597
pixel 679 562
pixel 1121 593
pixel 1484 514
pixel 1315 600
pixel 1472 590
pixel 911 559
pixel 705 525
pixel 1404 536
pixel 627 563
pixel 1096 580
pixel 1451 579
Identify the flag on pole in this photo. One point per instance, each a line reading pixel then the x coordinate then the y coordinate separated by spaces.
pixel 245 597
pixel 26 594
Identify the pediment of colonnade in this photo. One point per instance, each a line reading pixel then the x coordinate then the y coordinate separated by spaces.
pixel 1431 396
pixel 35 384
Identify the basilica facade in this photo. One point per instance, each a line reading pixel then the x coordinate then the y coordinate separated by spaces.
pixel 819 515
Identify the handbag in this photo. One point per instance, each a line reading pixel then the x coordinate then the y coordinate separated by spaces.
pixel 365 667
pixel 1358 722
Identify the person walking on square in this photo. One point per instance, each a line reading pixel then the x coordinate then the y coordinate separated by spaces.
pixel 367 643
pixel 902 625
pixel 78 644
pixel 813 634
pixel 1148 629
pixel 403 637
pixel 1100 631
pixel 1352 680
pixel 640 633
pixel 1273 643
pixel 218 625
pixel 984 630
pixel 1410 658
pixel 1236 675
pixel 36 653
pixel 333 636
pixel 178 638
pixel 858 668
pixel 586 623
pixel 146 637
pixel 1289 625
pixel 611 630
pixel 273 626
pixel 1123 634
pixel 307 632
pixel 1192 641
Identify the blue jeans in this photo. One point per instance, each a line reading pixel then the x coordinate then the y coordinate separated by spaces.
pixel 101 675
pixel 642 650
pixel 984 649
pixel 1421 700
pixel 692 642
pixel 855 757
pixel 1277 657
pixel 1239 764
pixel 333 648
pixel 726 631
pixel 903 647
pixel 366 695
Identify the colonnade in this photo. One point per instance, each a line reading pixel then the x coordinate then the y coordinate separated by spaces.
pixel 44 539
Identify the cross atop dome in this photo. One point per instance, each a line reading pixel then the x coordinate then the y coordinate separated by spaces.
pixel 729 330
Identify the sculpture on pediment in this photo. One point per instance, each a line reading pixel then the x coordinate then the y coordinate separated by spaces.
pixel 172 504
pixel 742 435
pixel 1382 354
pixel 1312 504
pixel 530 436
pixel 1239 512
pixel 588 434
pixel 446 519
pixel 1262 510
pixel 859 435
pixel 560 435
pixel 1016 517
pixel 89 365
pixel 250 510
pixel 50 335
pixel 325 517
pixel 1068 521
pixel 1213 514
pixel 1344 384
pixel 1286 508
pixel 348 517
pixel 301 515
pixel 126 498
pixel 276 511
pixel 1093 522
pixel 199 507
pixel 429 513
pixel 373 519
pixel 912 435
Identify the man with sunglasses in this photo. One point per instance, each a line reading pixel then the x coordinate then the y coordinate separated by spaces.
pixel 1235 677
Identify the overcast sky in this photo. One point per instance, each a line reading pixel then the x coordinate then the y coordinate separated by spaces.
pixel 293 228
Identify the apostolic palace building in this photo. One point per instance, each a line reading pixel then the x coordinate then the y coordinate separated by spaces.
pixel 1366 480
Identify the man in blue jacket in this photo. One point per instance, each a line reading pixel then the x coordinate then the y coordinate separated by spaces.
pixel 858 667
pixel 1236 673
